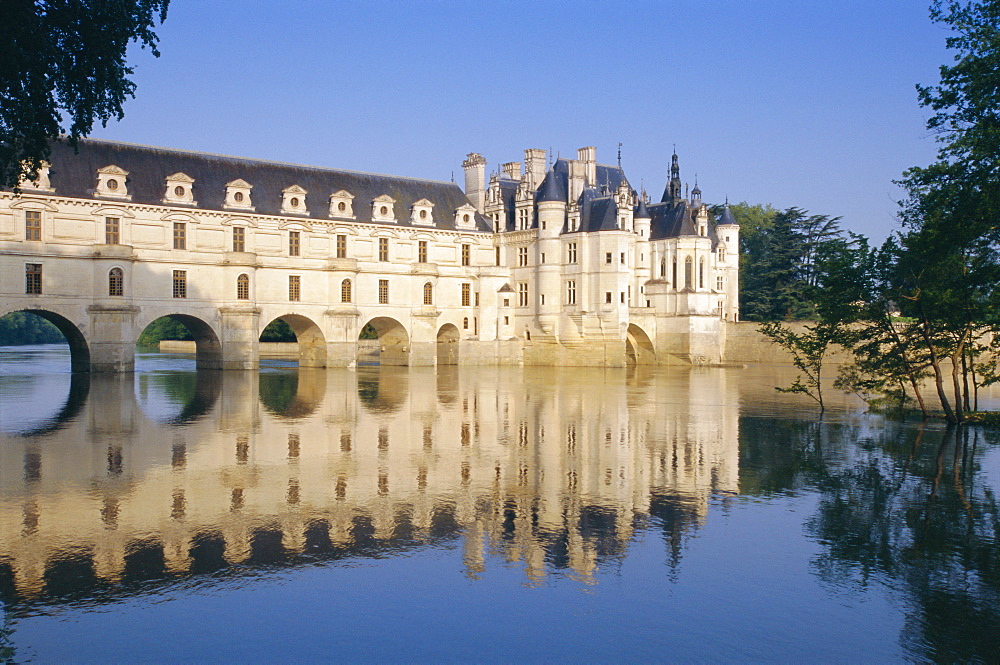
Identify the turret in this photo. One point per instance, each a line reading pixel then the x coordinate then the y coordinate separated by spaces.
pixel 642 218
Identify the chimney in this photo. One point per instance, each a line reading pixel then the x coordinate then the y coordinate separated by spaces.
pixel 475 180
pixel 534 166
pixel 588 156
pixel 577 177
pixel 513 170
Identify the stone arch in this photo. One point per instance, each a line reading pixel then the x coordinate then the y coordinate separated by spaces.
pixel 208 347
pixel 310 338
pixel 79 348
pixel 393 346
pixel 447 344
pixel 638 347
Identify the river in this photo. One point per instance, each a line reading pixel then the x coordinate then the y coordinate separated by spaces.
pixel 483 514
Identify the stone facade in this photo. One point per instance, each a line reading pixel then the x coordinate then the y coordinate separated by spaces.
pixel 564 264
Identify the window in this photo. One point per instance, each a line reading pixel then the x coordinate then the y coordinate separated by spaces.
pixel 180 288
pixel 383 249
pixel 294 243
pixel 663 268
pixel 571 253
pixel 466 294
pixel 428 293
pixel 607 297
pixel 688 273
pixel 506 320
pixel 243 287
pixel 239 239
pixel 294 288
pixel 522 294
pixel 718 283
pixel 33 225
pixel 465 323
pixel 116 282
pixel 477 299
pixel 422 251
pixel 498 256
pixel 506 302
pixel 571 292
pixel 341 246
pixel 180 235
pixel 542 259
pixel 623 258
pixel 383 292
pixel 607 258
pixel 466 255
pixel 112 230
pixel 673 270
pixel 522 256
pixel 33 278
pixel 701 273
pixel 345 291
pixel 622 294
pixel 542 296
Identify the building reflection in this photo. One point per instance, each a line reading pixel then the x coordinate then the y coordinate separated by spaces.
pixel 551 469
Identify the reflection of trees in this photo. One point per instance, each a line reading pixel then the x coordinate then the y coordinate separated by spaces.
pixel 291 394
pixel 908 511
pixel 196 393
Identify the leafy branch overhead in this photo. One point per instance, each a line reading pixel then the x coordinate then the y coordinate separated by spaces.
pixel 63 68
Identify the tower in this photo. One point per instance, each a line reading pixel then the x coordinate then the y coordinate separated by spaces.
pixel 672 192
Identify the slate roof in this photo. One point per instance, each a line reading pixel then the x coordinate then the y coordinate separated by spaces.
pixel 727 217
pixel 75 175
pixel 672 220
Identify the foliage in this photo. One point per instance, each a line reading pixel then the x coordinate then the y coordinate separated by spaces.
pixel 368 332
pixel 64 60
pixel 163 328
pixel 278 331
pixel 779 250
pixel 18 328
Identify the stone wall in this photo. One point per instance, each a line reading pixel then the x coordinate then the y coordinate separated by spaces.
pixel 745 345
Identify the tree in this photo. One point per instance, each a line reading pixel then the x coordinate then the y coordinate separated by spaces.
pixel 777 266
pixel 63 67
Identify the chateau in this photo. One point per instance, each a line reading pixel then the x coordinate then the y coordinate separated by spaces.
pixel 539 264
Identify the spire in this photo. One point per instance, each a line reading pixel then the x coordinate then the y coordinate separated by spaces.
pixel 672 192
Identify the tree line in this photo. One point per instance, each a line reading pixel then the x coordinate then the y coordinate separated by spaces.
pixel 925 304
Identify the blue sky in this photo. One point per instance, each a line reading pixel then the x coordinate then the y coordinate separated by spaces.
pixel 787 102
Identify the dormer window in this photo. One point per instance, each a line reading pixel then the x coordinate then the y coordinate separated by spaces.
pixel 112 183
pixel 422 213
pixel 383 209
pixel 238 195
pixel 293 201
pixel 465 217
pixel 342 204
pixel 180 190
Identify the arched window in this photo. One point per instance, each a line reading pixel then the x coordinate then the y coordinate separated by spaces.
pixel 345 291
pixel 688 273
pixel 663 268
pixel 701 273
pixel 673 272
pixel 243 287
pixel 116 282
pixel 428 294
pixel 465 323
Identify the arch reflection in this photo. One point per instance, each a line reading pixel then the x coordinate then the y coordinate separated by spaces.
pixel 556 470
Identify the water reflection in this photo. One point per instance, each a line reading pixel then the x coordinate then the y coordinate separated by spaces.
pixel 173 476
pixel 188 472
